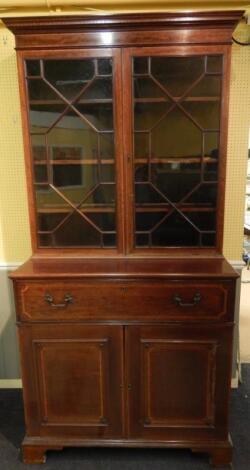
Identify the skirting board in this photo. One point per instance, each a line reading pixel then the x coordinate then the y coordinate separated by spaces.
pixel 10 383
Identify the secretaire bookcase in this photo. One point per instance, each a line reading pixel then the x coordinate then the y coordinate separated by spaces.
pixel 125 311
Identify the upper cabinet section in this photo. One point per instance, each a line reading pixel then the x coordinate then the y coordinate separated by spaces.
pixel 125 131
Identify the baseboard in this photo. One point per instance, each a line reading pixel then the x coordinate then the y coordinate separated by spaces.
pixel 9 266
pixel 10 383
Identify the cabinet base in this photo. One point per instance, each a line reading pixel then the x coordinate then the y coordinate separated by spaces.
pixel 34 449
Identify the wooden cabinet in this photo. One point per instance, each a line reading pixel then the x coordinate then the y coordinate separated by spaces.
pixel 125 310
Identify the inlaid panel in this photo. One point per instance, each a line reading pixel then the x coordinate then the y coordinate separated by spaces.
pixel 75 369
pixel 177 375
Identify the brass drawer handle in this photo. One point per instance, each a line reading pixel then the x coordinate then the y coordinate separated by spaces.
pixel 68 299
pixel 196 300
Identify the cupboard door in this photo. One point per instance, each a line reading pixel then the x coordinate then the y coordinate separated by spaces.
pixel 175 145
pixel 178 381
pixel 75 134
pixel 73 378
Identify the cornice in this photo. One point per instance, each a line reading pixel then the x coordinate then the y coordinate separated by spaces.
pixel 120 22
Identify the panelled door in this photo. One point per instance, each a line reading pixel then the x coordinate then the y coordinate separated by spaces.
pixel 74 379
pixel 177 377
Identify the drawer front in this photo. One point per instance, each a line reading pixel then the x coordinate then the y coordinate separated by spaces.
pixel 125 300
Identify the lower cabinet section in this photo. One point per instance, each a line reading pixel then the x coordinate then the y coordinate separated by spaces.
pixel 126 385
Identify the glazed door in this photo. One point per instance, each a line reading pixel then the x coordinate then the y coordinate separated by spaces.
pixel 177 381
pixel 175 149
pixel 73 380
pixel 74 123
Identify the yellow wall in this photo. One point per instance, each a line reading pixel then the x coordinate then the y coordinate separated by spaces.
pixel 14 225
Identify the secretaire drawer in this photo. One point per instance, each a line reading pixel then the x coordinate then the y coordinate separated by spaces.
pixel 124 300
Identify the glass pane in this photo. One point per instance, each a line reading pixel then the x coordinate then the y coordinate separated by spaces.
pixel 48 200
pixel 50 221
pixel 72 135
pixel 69 77
pixel 206 114
pixel 107 173
pixel 76 231
pixel 72 138
pixel 141 65
pixel 45 106
pixel 205 194
pixel 141 144
pixel 146 193
pixel 177 74
pixel 147 115
pixel 109 240
pixel 146 88
pixel 98 116
pixel 43 117
pixel 40 174
pixel 104 66
pixel 208 239
pixel 105 221
pixel 203 220
pixel 142 240
pixel 101 88
pixel 44 240
pixel 176 180
pixel 214 64
pixel 208 86
pixel 141 173
pixel 33 68
pixel 39 149
pixel 175 231
pixel 176 136
pixel 40 90
pixel 146 221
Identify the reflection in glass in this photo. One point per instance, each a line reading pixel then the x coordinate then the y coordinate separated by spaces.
pixel 208 86
pixel 104 66
pixel 214 64
pixel 176 180
pixel 145 87
pixel 147 115
pixel 141 144
pixel 206 114
pixel 165 142
pixel 101 88
pixel 177 74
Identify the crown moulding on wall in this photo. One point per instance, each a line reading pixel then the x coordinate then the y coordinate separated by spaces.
pixel 47 7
